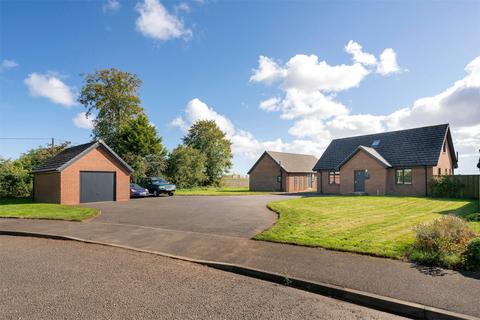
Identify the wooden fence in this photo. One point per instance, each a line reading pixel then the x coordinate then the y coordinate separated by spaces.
pixel 235 181
pixel 470 183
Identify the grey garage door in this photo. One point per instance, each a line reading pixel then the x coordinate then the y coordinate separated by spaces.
pixel 97 186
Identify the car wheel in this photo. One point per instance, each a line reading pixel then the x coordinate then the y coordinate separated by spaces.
pixel 155 193
pixel 170 194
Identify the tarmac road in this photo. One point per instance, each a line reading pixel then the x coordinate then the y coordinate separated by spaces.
pixel 53 279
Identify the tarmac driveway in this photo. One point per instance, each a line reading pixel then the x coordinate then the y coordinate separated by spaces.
pixel 240 216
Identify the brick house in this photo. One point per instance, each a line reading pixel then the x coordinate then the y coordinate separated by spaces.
pixel 397 162
pixel 85 173
pixel 280 171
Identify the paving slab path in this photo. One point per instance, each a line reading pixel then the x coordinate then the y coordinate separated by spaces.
pixel 444 289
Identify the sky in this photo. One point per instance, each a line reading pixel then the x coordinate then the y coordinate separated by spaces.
pixel 274 75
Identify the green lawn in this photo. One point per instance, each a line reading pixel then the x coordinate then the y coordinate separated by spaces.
pixel 24 208
pixel 211 191
pixel 381 226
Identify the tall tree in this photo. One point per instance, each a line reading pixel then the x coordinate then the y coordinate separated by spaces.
pixel 139 144
pixel 113 94
pixel 186 167
pixel 206 137
pixel 121 122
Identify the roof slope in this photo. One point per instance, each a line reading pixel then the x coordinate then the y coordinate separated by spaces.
pixel 70 155
pixel 371 152
pixel 290 162
pixel 411 147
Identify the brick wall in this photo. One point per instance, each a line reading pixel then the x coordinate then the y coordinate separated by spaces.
pixel 323 186
pixel 47 187
pixel 264 176
pixel 445 162
pixel 96 160
pixel 375 184
pixel 417 188
pixel 298 182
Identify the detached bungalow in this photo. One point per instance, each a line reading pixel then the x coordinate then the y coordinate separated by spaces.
pixel 280 171
pixel 398 162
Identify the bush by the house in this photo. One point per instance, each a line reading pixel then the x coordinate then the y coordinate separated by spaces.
pixel 441 242
pixel 443 186
pixel 471 256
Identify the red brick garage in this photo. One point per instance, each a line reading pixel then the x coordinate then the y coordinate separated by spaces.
pixel 85 173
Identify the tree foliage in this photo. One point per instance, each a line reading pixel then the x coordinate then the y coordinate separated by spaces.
pixel 121 122
pixel 16 181
pixel 186 167
pixel 113 95
pixel 206 137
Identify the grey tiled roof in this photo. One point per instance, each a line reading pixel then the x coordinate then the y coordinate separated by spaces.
pixel 291 162
pixel 63 157
pixel 411 147
pixel 70 155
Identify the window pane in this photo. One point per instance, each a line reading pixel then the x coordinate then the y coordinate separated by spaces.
pixel 337 177
pixel 399 176
pixel 407 176
pixel 331 178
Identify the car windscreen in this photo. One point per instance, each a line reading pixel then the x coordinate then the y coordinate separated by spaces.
pixel 159 181
pixel 135 186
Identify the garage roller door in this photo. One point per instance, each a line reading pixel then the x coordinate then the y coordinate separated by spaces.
pixel 97 186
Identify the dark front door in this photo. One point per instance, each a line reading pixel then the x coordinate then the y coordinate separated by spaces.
pixel 359 181
pixel 97 186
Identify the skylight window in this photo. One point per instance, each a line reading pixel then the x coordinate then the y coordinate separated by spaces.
pixel 375 143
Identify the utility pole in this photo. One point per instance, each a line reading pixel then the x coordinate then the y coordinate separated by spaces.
pixel 53 146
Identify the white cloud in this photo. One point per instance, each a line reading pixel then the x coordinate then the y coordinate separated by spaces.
pixel 111 5
pixel 459 104
pixel 51 87
pixel 271 104
pixel 301 103
pixel 388 62
pixel 268 71
pixel 198 110
pixel 157 23
pixel 82 121
pixel 182 6
pixel 309 86
pixel 359 56
pixel 8 64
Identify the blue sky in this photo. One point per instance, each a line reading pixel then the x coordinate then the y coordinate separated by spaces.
pixel 328 69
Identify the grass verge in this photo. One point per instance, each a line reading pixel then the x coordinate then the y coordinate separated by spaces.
pixel 380 226
pixel 25 208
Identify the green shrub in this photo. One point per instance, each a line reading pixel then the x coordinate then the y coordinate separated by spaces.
pixel 15 182
pixel 446 186
pixel 441 242
pixel 471 256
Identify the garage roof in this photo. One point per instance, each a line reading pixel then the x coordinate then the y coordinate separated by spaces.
pixel 72 154
pixel 290 162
